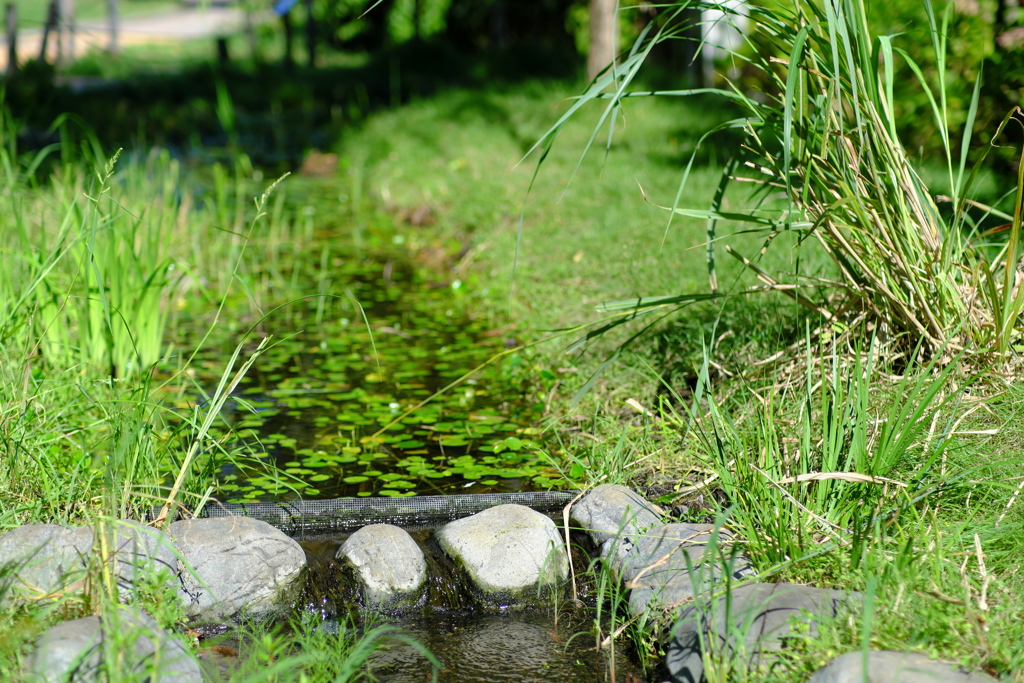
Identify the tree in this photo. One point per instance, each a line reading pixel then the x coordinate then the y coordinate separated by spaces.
pixel 602 36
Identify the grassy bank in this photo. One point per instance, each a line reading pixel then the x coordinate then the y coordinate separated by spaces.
pixel 845 450
pixel 853 461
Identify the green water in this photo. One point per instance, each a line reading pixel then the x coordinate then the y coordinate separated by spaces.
pixel 326 404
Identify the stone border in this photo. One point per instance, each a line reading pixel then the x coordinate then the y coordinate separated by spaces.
pixel 685 572
pixel 688 582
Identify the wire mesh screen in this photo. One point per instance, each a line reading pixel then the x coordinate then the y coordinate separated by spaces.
pixel 349 514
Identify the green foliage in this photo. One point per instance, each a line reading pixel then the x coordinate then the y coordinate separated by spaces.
pixel 834 481
pixel 824 131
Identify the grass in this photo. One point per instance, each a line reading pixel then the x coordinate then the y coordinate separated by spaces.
pixel 866 419
pixel 103 416
pixel 835 475
pixel 919 506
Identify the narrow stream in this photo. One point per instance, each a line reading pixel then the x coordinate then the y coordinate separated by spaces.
pixel 336 408
pixel 551 642
pixel 328 405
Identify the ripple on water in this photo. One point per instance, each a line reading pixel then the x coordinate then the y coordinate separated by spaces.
pixel 517 647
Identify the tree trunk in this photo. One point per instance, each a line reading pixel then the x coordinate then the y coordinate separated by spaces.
pixel 289 39
pixel 67 31
pixel 603 35
pixel 11 15
pixel 48 28
pixel 113 47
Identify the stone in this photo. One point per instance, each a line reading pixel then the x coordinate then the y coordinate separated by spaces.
pixel 667 565
pixel 235 565
pixel 129 641
pixel 509 552
pixel 750 625
pixel 886 666
pixel 389 566
pixel 143 552
pixel 47 557
pixel 611 511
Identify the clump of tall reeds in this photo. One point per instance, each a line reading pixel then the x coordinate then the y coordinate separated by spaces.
pixel 826 133
pixel 821 137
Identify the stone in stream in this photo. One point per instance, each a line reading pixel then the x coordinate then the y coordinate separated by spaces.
pixel 750 625
pixel 509 552
pixel 611 511
pixel 886 666
pixel 389 566
pixel 667 565
pixel 236 565
pixel 129 642
pixel 45 557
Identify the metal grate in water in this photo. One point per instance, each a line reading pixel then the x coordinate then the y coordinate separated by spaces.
pixel 349 514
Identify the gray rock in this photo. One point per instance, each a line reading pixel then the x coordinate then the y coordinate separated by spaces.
pixel 143 552
pixel 611 511
pixel 885 666
pixel 667 565
pixel 389 566
pixel 749 626
pixel 47 557
pixel 128 643
pixel 237 564
pixel 53 557
pixel 508 551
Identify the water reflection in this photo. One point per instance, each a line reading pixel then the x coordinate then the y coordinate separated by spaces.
pixel 517 647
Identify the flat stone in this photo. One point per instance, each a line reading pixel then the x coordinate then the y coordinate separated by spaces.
pixel 48 557
pixel 130 641
pixel 611 510
pixel 665 566
pixel 750 625
pixel 388 564
pixel 508 551
pixel 231 565
pixel 886 666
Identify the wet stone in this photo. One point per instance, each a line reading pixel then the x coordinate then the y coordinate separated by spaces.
pixel 508 552
pixel 82 650
pixel 886 666
pixel 389 566
pixel 236 565
pixel 611 511
pixel 667 565
pixel 751 625
pixel 48 557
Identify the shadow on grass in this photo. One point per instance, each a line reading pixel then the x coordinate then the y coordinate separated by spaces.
pixel 738 335
pixel 277 112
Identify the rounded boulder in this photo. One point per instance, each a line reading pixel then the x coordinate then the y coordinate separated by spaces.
pixel 389 567
pixel 509 553
pixel 45 558
pixel 128 642
pixel 235 565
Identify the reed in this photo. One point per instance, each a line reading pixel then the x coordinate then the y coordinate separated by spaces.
pixel 820 141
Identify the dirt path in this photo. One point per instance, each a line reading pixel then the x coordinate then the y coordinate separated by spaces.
pixel 166 27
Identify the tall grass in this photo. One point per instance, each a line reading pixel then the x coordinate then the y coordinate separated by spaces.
pixel 816 466
pixel 114 275
pixel 819 139
pixel 99 265
pixel 837 472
